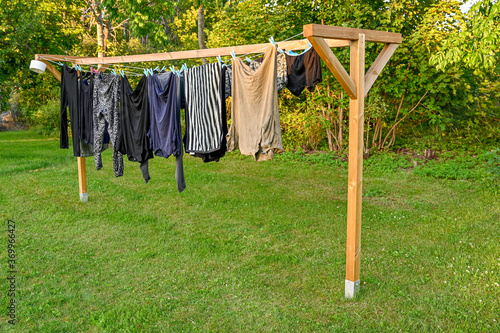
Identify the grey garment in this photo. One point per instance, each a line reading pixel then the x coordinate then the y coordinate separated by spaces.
pixel 282 78
pixel 105 105
pixel 179 163
pixel 229 80
pixel 255 125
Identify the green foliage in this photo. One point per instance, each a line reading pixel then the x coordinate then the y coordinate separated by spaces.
pixel 46 119
pixel 476 42
pixel 481 167
pixel 387 162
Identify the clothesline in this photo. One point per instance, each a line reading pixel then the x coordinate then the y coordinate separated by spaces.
pixel 294 45
pixel 356 84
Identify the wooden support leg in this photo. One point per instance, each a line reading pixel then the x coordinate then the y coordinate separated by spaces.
pixel 355 175
pixel 82 179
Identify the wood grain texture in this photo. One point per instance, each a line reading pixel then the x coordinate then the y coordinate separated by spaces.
pixel 334 65
pixel 190 54
pixel 355 173
pixel 330 31
pixel 82 174
pixel 378 65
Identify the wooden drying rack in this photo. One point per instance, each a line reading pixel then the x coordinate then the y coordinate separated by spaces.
pixel 357 84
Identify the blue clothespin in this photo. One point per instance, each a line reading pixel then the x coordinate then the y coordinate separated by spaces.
pixel 122 72
pixel 157 68
pixel 113 71
pixel 146 72
pixel 162 69
pixel 281 51
pixel 271 40
pixel 219 59
pixel 233 54
pixel 184 67
pixel 60 63
pixel 248 59
pixel 150 70
pixel 172 68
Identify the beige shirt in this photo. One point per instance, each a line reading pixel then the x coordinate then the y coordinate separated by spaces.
pixel 255 123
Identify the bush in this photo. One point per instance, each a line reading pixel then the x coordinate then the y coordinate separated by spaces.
pixel 46 119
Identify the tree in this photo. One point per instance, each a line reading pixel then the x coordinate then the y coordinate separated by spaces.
pixel 476 41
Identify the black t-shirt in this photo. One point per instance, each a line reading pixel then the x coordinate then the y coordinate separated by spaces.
pixel 303 71
pixel 135 123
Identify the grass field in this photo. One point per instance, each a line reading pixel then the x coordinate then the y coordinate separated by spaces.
pixel 247 246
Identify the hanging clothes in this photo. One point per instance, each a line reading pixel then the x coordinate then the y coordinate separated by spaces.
pixel 218 154
pixel 86 109
pixel 229 81
pixel 106 113
pixel 255 125
pixel 204 94
pixel 304 70
pixel 70 98
pixel 165 133
pixel 282 79
pixel 135 123
pixel 281 70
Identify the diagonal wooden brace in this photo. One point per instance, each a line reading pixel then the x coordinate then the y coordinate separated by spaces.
pixel 378 65
pixel 334 65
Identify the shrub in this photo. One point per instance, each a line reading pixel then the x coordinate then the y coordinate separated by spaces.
pixel 46 119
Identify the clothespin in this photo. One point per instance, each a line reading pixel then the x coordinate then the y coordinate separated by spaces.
pixel 248 59
pixel 145 71
pixel 157 68
pixel 219 59
pixel 150 71
pixel 271 40
pixel 122 72
pixel 172 68
pixel 162 69
pixel 184 67
pixel 60 63
pixel 281 51
pixel 233 54
pixel 113 71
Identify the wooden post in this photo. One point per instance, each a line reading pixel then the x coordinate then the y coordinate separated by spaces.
pixel 355 174
pixel 82 179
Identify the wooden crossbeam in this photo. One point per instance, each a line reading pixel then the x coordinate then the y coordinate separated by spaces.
pixel 190 54
pixel 329 31
pixel 378 65
pixel 331 61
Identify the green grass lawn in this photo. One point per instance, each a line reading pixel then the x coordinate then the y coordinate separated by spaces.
pixel 248 246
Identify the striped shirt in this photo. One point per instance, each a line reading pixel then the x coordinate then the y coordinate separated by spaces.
pixel 204 128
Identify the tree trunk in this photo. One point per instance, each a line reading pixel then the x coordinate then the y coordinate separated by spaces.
pixel 100 37
pixel 201 32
